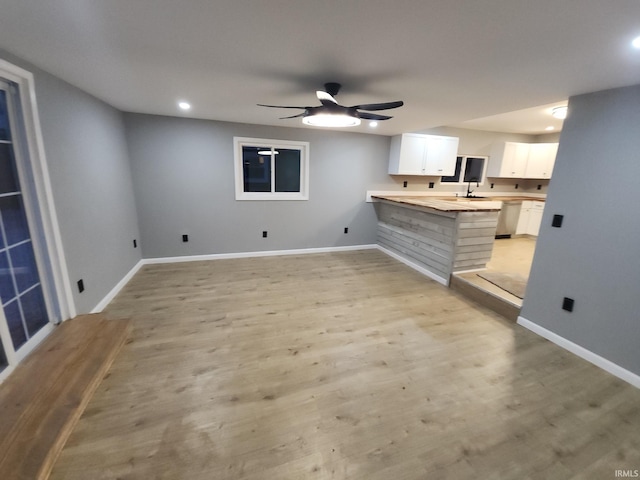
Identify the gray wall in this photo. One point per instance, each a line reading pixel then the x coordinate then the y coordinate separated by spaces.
pixel 595 257
pixel 184 183
pixel 86 151
pixel 472 142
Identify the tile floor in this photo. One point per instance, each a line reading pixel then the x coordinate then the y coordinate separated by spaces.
pixel 510 255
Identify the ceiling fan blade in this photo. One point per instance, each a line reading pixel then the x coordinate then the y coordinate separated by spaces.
pixel 325 98
pixel 373 116
pixel 303 114
pixel 379 106
pixel 280 106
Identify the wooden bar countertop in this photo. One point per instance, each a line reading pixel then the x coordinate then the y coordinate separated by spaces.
pixel 442 205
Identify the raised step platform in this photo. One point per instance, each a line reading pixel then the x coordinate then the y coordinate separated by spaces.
pixel 43 398
pixel 486 294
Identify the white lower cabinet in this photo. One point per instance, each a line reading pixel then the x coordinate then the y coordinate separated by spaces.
pixel 530 218
pixel 523 219
pixel 535 218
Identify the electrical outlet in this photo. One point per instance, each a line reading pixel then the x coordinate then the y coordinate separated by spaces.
pixel 516 186
pixel 492 185
pixel 185 238
pixel 557 221
pixel 80 286
pixel 431 184
pixel 567 304
pixel 346 229
pixel 539 187
pixel 264 234
pixel 405 183
pixel 135 243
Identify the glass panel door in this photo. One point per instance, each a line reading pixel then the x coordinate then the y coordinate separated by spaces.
pixel 24 310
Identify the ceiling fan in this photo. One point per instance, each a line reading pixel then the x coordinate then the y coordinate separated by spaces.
pixel 331 114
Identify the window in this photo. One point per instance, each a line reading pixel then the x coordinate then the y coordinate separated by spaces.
pixel 271 169
pixel 468 169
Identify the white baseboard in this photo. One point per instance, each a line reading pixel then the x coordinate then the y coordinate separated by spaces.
pixel 217 256
pixel 119 286
pixel 415 266
pixel 582 352
pixel 266 253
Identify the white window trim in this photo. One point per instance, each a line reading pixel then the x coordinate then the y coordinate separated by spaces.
pixel 239 142
pixel 463 167
pixel 35 147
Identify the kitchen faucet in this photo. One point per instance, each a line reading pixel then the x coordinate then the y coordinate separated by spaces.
pixel 469 191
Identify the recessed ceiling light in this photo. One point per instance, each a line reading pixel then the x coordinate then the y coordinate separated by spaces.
pixel 549 128
pixel 559 112
pixel 373 124
pixel 184 105
pixel 636 42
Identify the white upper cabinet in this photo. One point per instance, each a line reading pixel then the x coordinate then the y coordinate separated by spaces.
pixel 415 154
pixel 522 160
pixel 542 156
pixel 441 156
pixel 508 160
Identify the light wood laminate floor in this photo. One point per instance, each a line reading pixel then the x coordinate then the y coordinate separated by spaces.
pixel 339 366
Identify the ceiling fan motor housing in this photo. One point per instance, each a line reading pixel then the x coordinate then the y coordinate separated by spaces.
pixel 332 88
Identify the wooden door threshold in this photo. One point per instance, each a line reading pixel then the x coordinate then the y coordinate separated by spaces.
pixel 43 398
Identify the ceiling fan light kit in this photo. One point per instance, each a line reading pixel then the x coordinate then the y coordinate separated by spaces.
pixel 331 120
pixel 331 114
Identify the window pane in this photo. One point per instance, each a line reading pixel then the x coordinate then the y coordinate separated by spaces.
pixel 456 176
pixel 5 131
pixel 35 312
pixel 256 167
pixel 8 177
pixel 288 170
pixel 7 292
pixel 3 358
pixel 473 169
pixel 24 266
pixel 14 320
pixel 13 219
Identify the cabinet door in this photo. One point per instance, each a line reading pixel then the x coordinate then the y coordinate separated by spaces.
pixel 407 154
pixel 552 152
pixel 535 218
pixel 441 154
pixel 508 160
pixel 515 160
pixel 542 156
pixel 523 219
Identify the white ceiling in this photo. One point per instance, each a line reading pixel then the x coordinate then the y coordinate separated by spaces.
pixel 450 61
pixel 533 121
